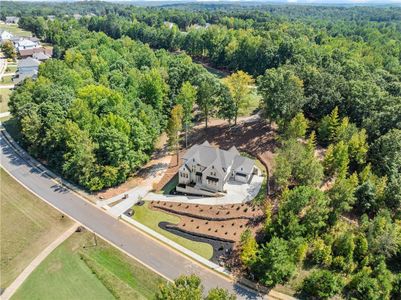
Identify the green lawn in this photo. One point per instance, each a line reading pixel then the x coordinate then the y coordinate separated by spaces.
pixel 81 269
pixel 27 224
pixel 151 218
pixel 15 30
pixel 4 98
pixel 6 80
pixel 11 68
pixel 252 104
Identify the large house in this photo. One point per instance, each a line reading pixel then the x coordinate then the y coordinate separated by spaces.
pixel 25 44
pixel 206 170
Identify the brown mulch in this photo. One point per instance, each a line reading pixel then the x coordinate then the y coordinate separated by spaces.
pixel 209 212
pixel 198 219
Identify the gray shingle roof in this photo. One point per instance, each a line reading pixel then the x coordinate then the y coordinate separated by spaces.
pixel 206 155
pixel 28 62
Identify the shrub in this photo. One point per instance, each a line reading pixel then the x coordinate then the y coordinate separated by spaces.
pixel 321 284
pixel 321 253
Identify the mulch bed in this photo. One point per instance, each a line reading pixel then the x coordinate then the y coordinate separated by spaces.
pixel 211 212
pixel 221 222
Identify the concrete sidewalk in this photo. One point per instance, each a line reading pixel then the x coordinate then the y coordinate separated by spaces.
pixel 36 262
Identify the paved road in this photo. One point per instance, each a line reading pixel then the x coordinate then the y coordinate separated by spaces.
pixel 154 254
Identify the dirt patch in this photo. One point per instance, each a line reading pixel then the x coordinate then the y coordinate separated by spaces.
pixel 252 135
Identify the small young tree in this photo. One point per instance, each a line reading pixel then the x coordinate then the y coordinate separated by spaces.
pixel 297 127
pixel 239 85
pixel 174 126
pixel 9 50
pixel 249 248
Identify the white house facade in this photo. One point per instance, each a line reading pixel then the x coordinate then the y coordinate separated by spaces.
pixel 206 170
pixel 5 35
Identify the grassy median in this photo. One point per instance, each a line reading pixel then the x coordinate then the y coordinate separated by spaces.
pixel 87 268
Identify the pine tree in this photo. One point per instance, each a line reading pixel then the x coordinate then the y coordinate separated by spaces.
pixel 333 125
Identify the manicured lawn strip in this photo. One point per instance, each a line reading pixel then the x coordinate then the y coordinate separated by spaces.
pixel 152 218
pixel 4 98
pixel 11 68
pixel 123 276
pixel 15 30
pixel 5 80
pixel 81 268
pixel 28 225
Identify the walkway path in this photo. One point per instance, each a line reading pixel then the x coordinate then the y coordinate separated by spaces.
pixel 36 262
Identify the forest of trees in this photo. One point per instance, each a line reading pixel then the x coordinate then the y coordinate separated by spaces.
pixel 330 77
pixel 95 115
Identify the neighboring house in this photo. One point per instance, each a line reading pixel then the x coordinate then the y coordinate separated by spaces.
pixel 169 25
pixel 34 39
pixel 77 16
pixel 47 51
pixel 5 35
pixel 41 56
pixel 51 17
pixel 27 68
pixel 24 44
pixel 207 169
pixel 12 20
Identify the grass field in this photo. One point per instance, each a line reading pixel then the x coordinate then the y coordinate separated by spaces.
pixel 252 104
pixel 28 225
pixel 11 68
pixel 81 268
pixel 152 218
pixel 15 30
pixel 4 98
pixel 6 79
